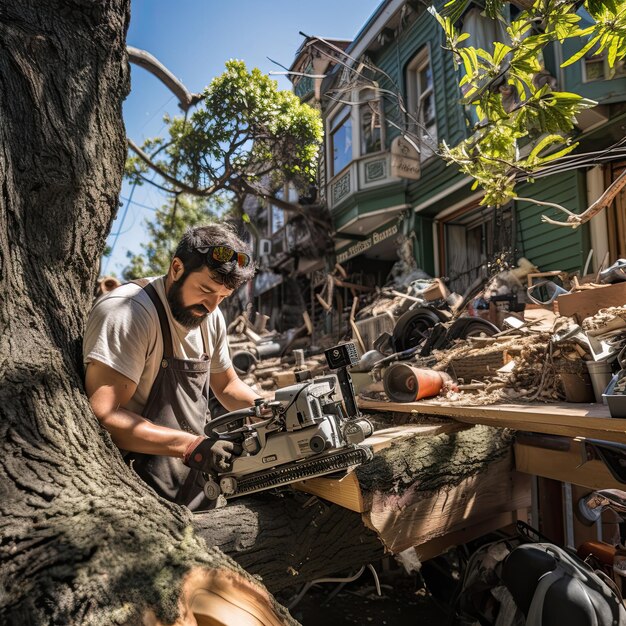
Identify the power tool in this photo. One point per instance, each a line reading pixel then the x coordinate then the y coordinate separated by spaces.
pixel 309 433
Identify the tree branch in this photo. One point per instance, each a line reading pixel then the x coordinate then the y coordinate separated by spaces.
pixel 281 204
pixel 170 179
pixel 574 220
pixel 144 59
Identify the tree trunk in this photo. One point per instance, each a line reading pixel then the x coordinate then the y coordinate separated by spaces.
pixel 291 539
pixel 82 541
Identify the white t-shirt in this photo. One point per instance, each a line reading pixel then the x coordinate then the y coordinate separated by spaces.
pixel 123 332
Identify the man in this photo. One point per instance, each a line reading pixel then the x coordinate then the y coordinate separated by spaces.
pixel 151 350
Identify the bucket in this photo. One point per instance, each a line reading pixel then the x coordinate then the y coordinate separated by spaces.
pixel 577 386
pixel 404 383
pixel 600 373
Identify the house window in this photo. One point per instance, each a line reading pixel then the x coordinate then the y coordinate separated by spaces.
pixel 597 68
pixel 369 120
pixel 341 140
pixel 421 103
pixel 472 238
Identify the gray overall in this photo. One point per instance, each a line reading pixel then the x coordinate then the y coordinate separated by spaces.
pixel 178 399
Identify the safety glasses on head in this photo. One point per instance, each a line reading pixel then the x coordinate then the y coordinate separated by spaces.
pixel 218 255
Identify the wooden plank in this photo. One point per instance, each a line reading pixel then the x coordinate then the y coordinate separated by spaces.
pixel 564 466
pixel 346 491
pixel 387 436
pixel 582 304
pixel 406 520
pixel 563 418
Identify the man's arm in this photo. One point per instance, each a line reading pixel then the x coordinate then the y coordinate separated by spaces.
pixel 231 391
pixel 108 391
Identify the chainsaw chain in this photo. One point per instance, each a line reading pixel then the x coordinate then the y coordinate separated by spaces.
pixel 303 470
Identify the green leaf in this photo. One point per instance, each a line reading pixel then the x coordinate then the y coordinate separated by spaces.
pixel 581 53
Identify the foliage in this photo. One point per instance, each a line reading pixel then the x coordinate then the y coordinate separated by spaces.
pixel 515 108
pixel 243 132
pixel 166 229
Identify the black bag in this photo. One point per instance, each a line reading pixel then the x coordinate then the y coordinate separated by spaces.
pixel 525 580
pixel 553 587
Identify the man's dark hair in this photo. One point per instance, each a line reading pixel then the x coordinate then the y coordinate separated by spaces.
pixel 230 274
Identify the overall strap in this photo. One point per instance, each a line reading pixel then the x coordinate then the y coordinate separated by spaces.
pixel 168 349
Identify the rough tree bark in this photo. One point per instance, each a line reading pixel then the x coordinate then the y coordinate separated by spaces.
pixel 81 541
pixel 290 539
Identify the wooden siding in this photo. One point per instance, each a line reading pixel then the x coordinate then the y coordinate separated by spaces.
pixel 552 247
pixel 394 59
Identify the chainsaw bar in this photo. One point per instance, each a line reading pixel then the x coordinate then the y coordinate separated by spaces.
pixel 295 472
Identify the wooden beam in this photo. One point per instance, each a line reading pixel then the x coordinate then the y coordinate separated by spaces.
pixel 565 466
pixel 564 418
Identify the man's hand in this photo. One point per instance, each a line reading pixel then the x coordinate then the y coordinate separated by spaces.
pixel 210 454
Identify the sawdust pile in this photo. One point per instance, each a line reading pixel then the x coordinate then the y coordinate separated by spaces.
pixel 532 377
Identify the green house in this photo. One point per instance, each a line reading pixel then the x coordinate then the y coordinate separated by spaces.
pixel 389 98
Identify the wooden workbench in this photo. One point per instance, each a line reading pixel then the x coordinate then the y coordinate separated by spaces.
pixel 564 418
pixel 565 463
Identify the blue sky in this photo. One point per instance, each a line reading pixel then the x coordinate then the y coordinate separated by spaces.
pixel 194 39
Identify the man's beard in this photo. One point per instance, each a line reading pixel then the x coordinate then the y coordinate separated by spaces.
pixel 186 316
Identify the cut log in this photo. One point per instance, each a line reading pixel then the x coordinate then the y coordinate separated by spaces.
pixel 415 517
pixel 346 491
pixel 425 487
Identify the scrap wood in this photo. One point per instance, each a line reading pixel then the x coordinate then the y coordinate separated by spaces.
pixel 604 320
pixel 354 327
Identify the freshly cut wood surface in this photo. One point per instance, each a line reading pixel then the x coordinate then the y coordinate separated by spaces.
pixel 387 436
pixel 222 598
pixel 345 491
pixel 563 418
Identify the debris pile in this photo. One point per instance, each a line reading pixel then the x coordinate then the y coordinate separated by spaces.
pixel 519 336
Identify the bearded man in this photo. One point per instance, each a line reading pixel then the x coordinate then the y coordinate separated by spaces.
pixel 151 350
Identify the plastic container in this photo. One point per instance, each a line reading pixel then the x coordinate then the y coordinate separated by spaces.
pixel 616 401
pixel 600 373
pixel 404 383
pixel 577 386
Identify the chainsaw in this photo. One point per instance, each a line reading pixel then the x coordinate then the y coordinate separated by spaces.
pixel 308 434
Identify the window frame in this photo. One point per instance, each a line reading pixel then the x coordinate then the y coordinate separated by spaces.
pixel 364 103
pixel 336 122
pixel 415 98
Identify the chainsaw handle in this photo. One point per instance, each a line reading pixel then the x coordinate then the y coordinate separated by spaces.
pixel 227 418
